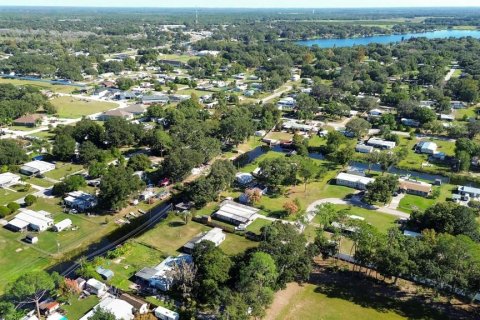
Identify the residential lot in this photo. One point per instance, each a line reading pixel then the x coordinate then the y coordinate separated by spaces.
pixel 70 107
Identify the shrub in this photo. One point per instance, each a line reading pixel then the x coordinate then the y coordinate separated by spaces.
pixel 13 206
pixel 4 211
pixel 30 199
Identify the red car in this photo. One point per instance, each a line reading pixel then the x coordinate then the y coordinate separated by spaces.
pixel 164 182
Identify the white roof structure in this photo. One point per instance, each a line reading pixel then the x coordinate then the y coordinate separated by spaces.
pixel 98 285
pixel 381 143
pixel 244 178
pixel 63 224
pixel 164 313
pixel 412 234
pixel 121 309
pixel 237 213
pixel 38 166
pixel 354 178
pixel 215 235
pixel 7 179
pixel 35 219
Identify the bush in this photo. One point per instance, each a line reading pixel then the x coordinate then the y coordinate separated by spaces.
pixel 30 199
pixel 13 206
pixel 4 211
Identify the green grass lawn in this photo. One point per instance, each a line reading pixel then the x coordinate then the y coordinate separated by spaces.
pixel 78 308
pixel 171 234
pixel 39 85
pixel 470 112
pixel 19 257
pixel 317 141
pixel 256 225
pixel 235 244
pixel 7 196
pixel 411 202
pixel 63 169
pixel 379 220
pixel 345 300
pixel 176 57
pixel 39 182
pixel 44 135
pixel 137 257
pixel 69 107
pixel 21 128
pixel 279 135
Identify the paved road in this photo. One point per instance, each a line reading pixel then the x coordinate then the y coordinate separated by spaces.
pixel 449 75
pixel 354 201
pixel 275 95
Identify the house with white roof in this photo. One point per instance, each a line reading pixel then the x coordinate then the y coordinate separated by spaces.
pixel 8 179
pixel 426 147
pixel 287 103
pixel 236 213
pixel 34 220
pixel 165 314
pixel 214 235
pixel 96 287
pixel 121 309
pixel 159 276
pixel 36 167
pixel 380 143
pixel 353 181
pixel 80 200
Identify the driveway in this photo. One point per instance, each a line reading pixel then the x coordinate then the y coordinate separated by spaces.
pixel 354 201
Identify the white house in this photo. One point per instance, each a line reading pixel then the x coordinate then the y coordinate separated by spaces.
pixel 380 143
pixel 243 178
pixel 166 314
pixel 469 191
pixel 235 213
pixel 353 181
pixel 375 113
pixel 35 220
pixel 287 103
pixel 121 309
pixel 427 147
pixel 362 148
pixel 80 200
pixel 62 225
pixel 8 179
pixel 96 287
pixel 36 167
pixel 160 276
pixel 214 235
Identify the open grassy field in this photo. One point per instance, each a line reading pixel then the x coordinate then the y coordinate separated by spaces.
pixel 170 235
pixel 70 107
pixel 63 169
pixel 470 112
pixel 40 85
pixel 176 57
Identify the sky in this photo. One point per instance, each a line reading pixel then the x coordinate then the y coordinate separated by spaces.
pixel 246 3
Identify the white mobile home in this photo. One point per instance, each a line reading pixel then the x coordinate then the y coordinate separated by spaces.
pixel 36 167
pixel 380 143
pixel 7 179
pixel 215 235
pixel 353 181
pixel 62 225
pixel 35 220
pixel 166 314
pixel 235 213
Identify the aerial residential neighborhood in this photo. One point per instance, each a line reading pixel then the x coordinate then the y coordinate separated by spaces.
pixel 237 161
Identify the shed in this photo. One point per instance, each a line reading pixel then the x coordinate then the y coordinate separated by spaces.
pixel 214 235
pixel 96 287
pixel 105 273
pixel 62 225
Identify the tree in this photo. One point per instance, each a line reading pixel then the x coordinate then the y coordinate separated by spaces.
pixel 11 153
pixel 236 126
pixel 13 206
pixel 139 162
pixel 89 152
pixel 254 195
pixel 387 160
pixel 464 160
pixel 161 142
pixel 117 184
pixel 393 258
pixel 277 172
pixel 30 199
pixel 307 106
pixel 183 276
pixel 381 189
pixel 31 288
pixel 9 312
pixel 119 132
pixel 288 248
pixel 97 169
pixel 213 267
pixel 124 83
pixel 358 126
pixel 290 207
pixel 447 217
pixel 69 184
pixel 343 155
pixel 101 314
pixel 63 147
pixel 308 170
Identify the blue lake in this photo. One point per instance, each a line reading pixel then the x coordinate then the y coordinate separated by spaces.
pixel 350 42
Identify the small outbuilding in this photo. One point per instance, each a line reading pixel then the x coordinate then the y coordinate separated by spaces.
pixel 62 225
pixel 166 314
